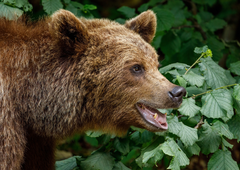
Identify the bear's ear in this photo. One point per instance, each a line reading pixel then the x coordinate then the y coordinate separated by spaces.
pixel 69 32
pixel 144 24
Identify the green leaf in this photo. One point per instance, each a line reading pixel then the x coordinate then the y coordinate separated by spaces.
pixel 98 161
pixel 216 47
pixel 9 12
pixel 188 107
pixel 67 164
pixel 222 160
pixel 200 50
pixel 120 166
pixel 193 149
pixel 165 19
pixel 122 145
pixel 209 139
pixel 236 92
pixel 171 148
pixel 223 129
pixel 179 66
pixel 77 5
pixel 170 44
pixel 215 24
pixel 173 125
pixel 127 11
pixel 225 143
pixel 194 79
pixel 213 73
pixel 235 67
pixel 90 7
pixel 94 134
pixel 234 126
pixel 72 9
pixel 143 8
pixel 188 135
pixel 181 81
pixel 193 90
pixel 51 6
pixel 218 104
pixel 147 149
pixel 156 153
pixel 186 54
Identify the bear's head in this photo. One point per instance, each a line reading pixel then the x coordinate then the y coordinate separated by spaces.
pixel 116 72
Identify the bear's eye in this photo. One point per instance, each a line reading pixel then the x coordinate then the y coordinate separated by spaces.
pixel 137 69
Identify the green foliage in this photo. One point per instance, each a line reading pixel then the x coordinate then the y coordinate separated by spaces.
pixel 12 9
pixel 210 112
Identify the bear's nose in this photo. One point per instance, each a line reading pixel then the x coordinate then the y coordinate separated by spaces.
pixel 177 93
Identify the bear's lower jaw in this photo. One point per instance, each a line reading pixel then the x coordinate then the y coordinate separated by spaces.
pixel 153 116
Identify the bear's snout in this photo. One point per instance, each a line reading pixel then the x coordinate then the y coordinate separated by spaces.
pixel 177 94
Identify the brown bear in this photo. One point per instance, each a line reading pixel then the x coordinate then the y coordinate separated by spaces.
pixel 64 74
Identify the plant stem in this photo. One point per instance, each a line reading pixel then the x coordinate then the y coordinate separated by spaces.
pixel 200 123
pixel 194 63
pixel 223 87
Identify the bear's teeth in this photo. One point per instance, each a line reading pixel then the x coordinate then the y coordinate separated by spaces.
pixel 155 116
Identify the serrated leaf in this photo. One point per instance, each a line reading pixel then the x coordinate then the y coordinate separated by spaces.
pixel 173 125
pixel 193 149
pixel 234 126
pixel 218 104
pixel 179 66
pixel 9 12
pixel 98 161
pixel 213 73
pixel 165 19
pixel 188 107
pixel 174 73
pixel 194 79
pixel 181 81
pixel 170 44
pixel 236 92
pixel 200 50
pixel 188 135
pixel 215 24
pixel 120 166
pixel 171 148
pixel 122 145
pixel 127 11
pixel 225 143
pixel 222 160
pixel 51 6
pixel 235 67
pixel 147 149
pixel 174 164
pixel 223 129
pixel 209 139
pixel 67 164
pixel 156 153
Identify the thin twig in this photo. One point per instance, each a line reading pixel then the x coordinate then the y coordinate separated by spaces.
pixel 200 123
pixel 194 63
pixel 223 87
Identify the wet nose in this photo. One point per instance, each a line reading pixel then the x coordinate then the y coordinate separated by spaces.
pixel 177 93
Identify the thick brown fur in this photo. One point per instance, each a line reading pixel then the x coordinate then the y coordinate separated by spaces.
pixel 63 75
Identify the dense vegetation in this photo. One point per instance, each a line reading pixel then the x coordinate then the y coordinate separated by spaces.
pixel 197 53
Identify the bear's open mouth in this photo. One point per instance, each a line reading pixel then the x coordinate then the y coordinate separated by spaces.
pixel 153 116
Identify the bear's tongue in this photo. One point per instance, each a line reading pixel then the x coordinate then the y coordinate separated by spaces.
pixel 153 116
